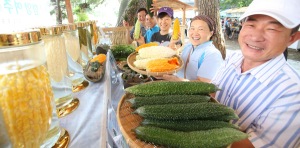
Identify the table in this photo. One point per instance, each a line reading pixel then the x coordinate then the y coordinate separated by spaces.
pixel 87 125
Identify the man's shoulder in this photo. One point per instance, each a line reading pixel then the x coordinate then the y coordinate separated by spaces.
pixel 290 72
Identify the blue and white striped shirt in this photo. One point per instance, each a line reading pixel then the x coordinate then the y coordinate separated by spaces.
pixel 266 98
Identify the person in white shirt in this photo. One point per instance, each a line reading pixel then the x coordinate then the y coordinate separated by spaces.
pixel 258 82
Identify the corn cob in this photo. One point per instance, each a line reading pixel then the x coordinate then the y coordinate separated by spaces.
pixel 149 5
pixel 176 29
pixel 26 100
pixel 172 88
pixel 214 138
pixel 188 125
pixel 183 111
pixel 156 52
pixel 162 65
pixel 171 99
pixel 142 64
pixel 145 45
pixel 137 30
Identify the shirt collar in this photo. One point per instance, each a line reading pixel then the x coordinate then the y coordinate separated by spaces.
pixel 203 45
pixel 264 72
pixel 155 28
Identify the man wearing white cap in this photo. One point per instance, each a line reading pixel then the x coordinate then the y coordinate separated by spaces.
pixel 258 82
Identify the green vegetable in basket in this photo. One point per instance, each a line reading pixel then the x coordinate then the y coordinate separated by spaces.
pixel 188 125
pixel 95 66
pixel 173 88
pixel 191 111
pixel 214 138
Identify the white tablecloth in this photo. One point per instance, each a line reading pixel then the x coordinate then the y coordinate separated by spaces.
pixel 84 124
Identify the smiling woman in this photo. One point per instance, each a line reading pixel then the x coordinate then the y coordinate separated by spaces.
pixel 201 58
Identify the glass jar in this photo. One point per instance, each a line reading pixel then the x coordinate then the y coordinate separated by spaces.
pixel 25 90
pixel 83 43
pixel 4 137
pixel 89 39
pixel 57 65
pixel 93 35
pixel 73 53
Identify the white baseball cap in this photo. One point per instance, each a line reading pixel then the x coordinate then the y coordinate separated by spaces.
pixel 287 12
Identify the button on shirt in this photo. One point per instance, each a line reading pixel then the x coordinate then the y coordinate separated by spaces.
pixel 266 98
pixel 205 68
pixel 143 30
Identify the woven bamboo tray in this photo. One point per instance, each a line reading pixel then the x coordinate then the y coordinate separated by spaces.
pixel 131 59
pixel 128 121
pixel 121 65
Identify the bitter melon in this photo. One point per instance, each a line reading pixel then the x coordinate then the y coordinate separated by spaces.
pixel 172 99
pixel 126 18
pixel 149 5
pixel 183 111
pixel 213 138
pixel 226 117
pixel 172 88
pixel 188 125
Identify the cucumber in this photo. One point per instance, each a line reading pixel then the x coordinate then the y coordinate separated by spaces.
pixel 188 125
pixel 183 111
pixel 213 138
pixel 226 117
pixel 172 99
pixel 172 88
pixel 149 5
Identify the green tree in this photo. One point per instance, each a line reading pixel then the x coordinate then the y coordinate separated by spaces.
pixel 234 3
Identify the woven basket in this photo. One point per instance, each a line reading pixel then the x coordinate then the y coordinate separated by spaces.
pixel 100 76
pixel 128 121
pixel 131 58
pixel 121 65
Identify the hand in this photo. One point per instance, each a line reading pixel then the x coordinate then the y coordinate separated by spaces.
pixel 141 40
pixel 126 25
pixel 173 42
pixel 154 9
pixel 169 78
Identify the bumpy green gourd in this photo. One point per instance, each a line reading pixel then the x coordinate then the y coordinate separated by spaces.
pixel 226 117
pixel 188 125
pixel 183 111
pixel 171 99
pixel 149 5
pixel 214 138
pixel 172 88
pixel 137 29
pixel 94 66
pixel 125 18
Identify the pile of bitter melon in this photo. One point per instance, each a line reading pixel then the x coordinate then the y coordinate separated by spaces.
pixel 178 114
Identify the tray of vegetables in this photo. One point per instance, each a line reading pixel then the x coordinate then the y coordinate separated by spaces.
pixel 121 52
pixel 95 69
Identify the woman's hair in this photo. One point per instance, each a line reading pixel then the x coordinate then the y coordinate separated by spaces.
pixel 163 14
pixel 210 22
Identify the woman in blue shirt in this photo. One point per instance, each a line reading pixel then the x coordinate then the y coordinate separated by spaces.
pixel 201 58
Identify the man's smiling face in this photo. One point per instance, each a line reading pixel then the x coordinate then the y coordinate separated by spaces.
pixel 263 38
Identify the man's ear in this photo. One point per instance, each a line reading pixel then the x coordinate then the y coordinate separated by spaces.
pixel 294 38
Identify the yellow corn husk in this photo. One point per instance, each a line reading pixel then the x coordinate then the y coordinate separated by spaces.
pixel 176 29
pixel 26 101
pixel 162 65
pixel 100 58
pixel 156 52
pixel 145 45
